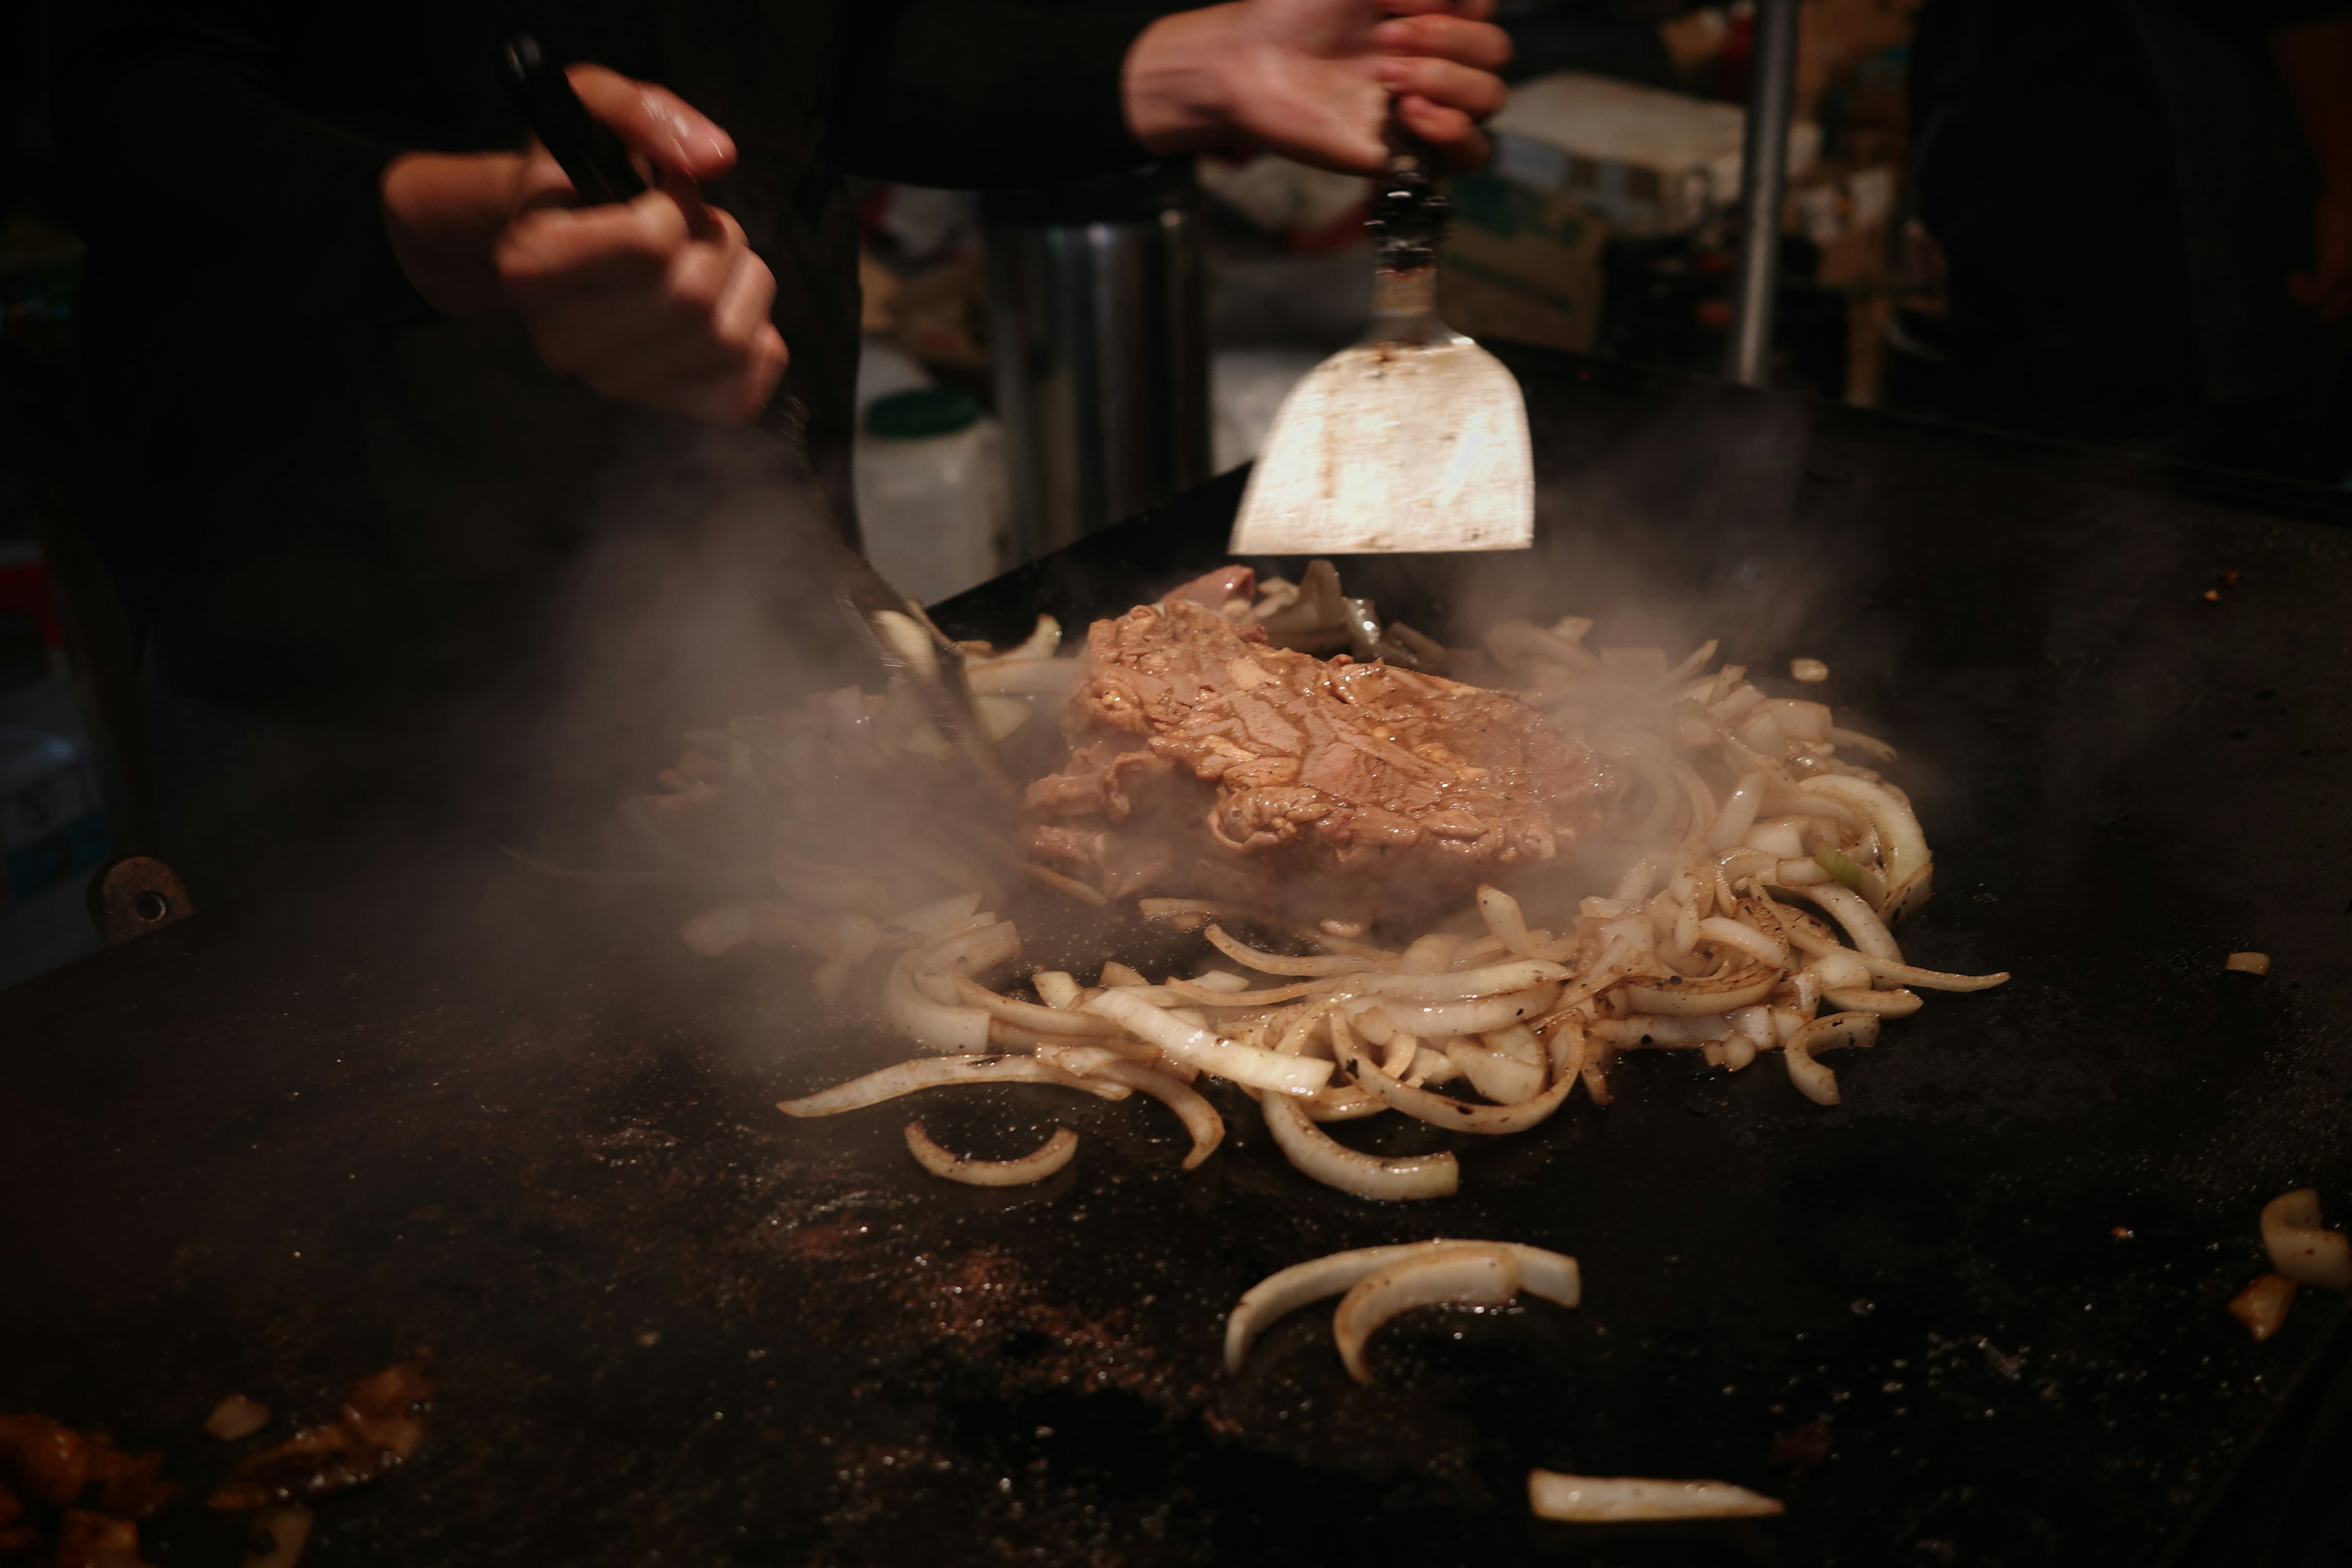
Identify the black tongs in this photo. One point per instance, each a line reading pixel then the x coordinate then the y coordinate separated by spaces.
pixel 910 648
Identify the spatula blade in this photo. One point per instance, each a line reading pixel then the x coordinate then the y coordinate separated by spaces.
pixel 1393 447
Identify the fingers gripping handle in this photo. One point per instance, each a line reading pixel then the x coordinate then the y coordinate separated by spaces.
pixel 590 155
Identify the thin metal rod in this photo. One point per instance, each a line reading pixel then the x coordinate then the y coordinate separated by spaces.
pixel 1763 176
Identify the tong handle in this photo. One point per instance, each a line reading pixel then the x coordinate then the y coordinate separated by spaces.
pixel 584 146
pixel 1409 207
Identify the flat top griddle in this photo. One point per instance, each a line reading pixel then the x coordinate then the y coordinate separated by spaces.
pixel 279 1145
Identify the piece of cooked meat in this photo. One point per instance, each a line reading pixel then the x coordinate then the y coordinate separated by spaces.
pixel 1207 761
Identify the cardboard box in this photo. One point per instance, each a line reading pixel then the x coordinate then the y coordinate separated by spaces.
pixel 1648 163
pixel 1521 263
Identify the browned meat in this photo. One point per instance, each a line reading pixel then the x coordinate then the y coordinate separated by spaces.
pixel 381 1427
pixel 1206 760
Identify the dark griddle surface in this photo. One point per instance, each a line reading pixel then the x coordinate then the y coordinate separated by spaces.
pixel 274 1147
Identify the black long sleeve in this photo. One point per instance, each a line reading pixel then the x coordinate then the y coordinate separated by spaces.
pixel 977 94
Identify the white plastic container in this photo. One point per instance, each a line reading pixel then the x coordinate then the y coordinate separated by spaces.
pixel 52 818
pixel 1650 162
pixel 931 497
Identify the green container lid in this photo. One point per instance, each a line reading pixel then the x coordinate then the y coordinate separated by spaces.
pixel 919 412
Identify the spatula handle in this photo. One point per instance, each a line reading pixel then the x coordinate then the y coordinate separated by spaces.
pixel 1409 207
pixel 584 146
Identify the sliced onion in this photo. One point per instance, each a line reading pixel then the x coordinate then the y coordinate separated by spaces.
pixel 1894 969
pixel 1885 1004
pixel 2237 963
pixel 1667 1031
pixel 1252 1065
pixel 2299 1247
pixel 1862 923
pixel 1024 676
pixel 929 1022
pixel 967 951
pixel 1504 1079
pixel 1868 745
pixel 1898 826
pixel 1084 1059
pixel 1626 1500
pixel 1738 813
pixel 1504 921
pixel 1466 985
pixel 1314 1152
pixel 1730 932
pixel 1191 914
pixel 1430 954
pixel 1060 990
pixel 1200 1118
pixel 1814 1082
pixel 1114 972
pixel 1693 998
pixel 1043 639
pixel 1472 1017
pixel 1471 1273
pixel 940 1072
pixel 970 993
pixel 1045 876
pixel 1279 964
pixel 1805 873
pixel 1440 1112
pixel 1200 991
pixel 1033 1166
pixel 1553 1276
pixel 2262 1305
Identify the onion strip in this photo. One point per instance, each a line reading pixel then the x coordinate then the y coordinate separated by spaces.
pixel 940 1072
pixel 1550 1275
pixel 1033 1166
pixel 2299 1247
pixel 1280 963
pixel 1471 1273
pixel 1252 1065
pixel 1200 1118
pixel 1626 1500
pixel 1438 1110
pixel 1314 1152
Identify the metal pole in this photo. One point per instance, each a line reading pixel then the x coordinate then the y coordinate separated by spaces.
pixel 1763 176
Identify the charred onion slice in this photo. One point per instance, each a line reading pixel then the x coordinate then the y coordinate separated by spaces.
pixel 1033 1166
pixel 1885 1004
pixel 1814 1082
pixel 1626 1500
pixel 1466 985
pixel 1680 996
pixel 1314 1152
pixel 1851 910
pixel 942 1072
pixel 970 993
pixel 1272 997
pixel 1899 833
pixel 1454 1114
pixel 2261 1306
pixel 1471 1273
pixel 1821 946
pixel 1200 1118
pixel 1266 962
pixel 1479 1016
pixel 1251 1065
pixel 2299 1247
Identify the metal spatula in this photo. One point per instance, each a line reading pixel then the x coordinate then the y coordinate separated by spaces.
pixel 1416 438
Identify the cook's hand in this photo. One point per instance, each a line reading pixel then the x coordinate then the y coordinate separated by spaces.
pixel 2326 289
pixel 1312 78
pixel 658 299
